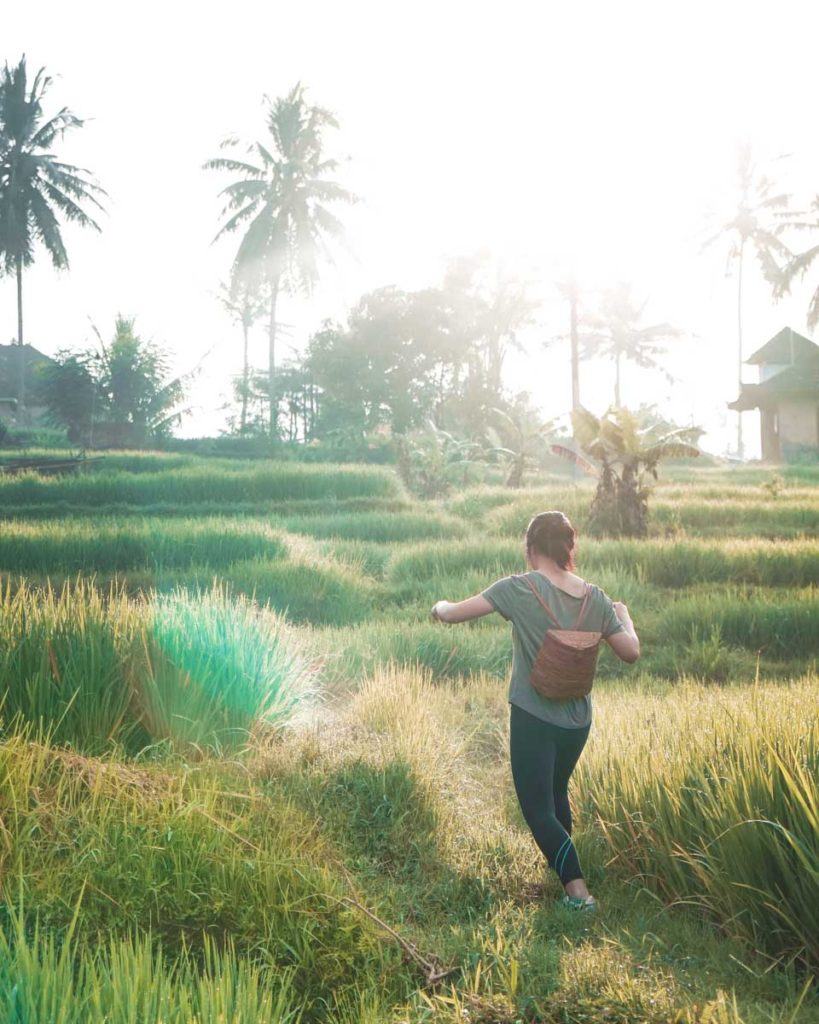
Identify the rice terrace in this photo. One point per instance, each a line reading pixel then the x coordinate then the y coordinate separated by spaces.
pixel 264 764
pixel 409 513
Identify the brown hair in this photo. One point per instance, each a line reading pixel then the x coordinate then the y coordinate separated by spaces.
pixel 552 535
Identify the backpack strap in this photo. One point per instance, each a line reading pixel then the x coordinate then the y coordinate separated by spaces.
pixel 583 606
pixel 539 596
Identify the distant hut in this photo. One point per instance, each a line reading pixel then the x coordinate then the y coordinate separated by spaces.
pixel 10 382
pixel 787 396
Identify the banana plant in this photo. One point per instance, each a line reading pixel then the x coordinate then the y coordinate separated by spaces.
pixel 519 439
pixel 621 456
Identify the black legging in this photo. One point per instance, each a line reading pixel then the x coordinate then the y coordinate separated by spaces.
pixel 543 758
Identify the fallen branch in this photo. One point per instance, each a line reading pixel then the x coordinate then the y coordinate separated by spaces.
pixel 433 968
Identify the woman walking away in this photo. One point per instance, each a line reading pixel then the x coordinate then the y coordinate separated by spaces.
pixel 558 621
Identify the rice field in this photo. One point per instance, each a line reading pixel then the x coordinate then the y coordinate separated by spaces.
pixel 243 776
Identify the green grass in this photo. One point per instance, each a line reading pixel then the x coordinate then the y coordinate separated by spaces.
pixel 227 790
pixel 404 805
pixel 181 858
pixel 191 670
pixel 199 483
pixel 714 803
pixel 787 627
pixel 376 527
pixel 107 545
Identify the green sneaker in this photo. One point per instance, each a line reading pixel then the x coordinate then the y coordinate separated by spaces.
pixel 588 904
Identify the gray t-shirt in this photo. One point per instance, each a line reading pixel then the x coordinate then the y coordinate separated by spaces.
pixel 514 600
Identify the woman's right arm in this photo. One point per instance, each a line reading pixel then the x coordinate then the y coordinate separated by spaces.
pixel 625 644
pixel 461 611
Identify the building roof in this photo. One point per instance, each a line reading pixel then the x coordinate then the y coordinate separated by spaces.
pixel 786 349
pixel 10 369
pixel 794 382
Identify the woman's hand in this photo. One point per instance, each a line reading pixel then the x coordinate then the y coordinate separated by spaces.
pixel 436 613
pixel 461 611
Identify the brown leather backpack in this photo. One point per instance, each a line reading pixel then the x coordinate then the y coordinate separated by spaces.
pixel 567 659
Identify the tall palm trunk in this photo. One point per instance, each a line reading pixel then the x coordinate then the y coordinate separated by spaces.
pixel 245 377
pixel 271 358
pixel 740 450
pixel 617 379
pixel 21 384
pixel 575 342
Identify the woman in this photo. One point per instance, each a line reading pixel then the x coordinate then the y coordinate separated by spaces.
pixel 547 736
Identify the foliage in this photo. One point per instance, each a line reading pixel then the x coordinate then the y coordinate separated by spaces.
pixel 624 455
pixel 69 392
pixel 138 400
pixel 797 265
pixel 430 461
pixel 519 437
pixel 405 358
pixel 120 395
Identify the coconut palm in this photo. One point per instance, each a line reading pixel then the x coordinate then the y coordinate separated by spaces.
pixel 570 291
pixel 245 304
pixel 798 264
pixel 751 226
pixel 281 200
pixel 616 331
pixel 35 187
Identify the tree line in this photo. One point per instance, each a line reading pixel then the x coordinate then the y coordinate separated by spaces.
pixel 402 358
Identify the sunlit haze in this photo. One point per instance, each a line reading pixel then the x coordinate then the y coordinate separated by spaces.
pixel 592 137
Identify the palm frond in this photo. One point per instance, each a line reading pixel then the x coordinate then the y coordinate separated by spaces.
pixel 46 228
pixel 234 166
pixel 670 450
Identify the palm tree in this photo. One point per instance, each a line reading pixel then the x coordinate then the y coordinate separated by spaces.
pixel 617 333
pixel 281 199
pixel 35 187
pixel 800 263
pixel 569 290
pixel 245 304
pixel 750 227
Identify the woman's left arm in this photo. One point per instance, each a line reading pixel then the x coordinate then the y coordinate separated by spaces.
pixel 461 611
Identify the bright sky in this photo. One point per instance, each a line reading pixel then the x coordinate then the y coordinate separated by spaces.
pixel 592 134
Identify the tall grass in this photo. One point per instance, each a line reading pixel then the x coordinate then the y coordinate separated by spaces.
pixel 216 669
pixel 318 592
pixel 378 527
pixel 666 563
pixel 350 654
pixel 199 483
pixel 172 859
pixel 127 980
pixel 110 545
pixel 196 670
pixel 786 628
pixel 712 801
